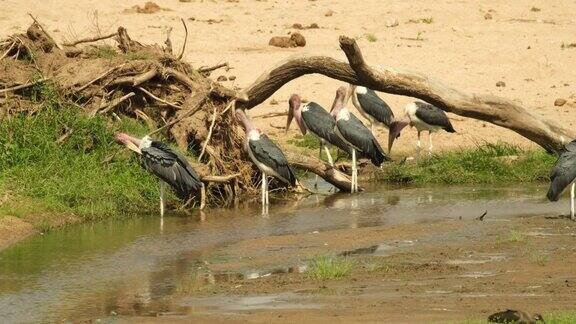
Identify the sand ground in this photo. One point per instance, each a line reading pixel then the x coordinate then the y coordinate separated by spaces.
pixel 521 45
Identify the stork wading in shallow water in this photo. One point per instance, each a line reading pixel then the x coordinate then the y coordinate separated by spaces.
pixel 371 106
pixel 350 129
pixel 423 116
pixel 172 168
pixel 563 175
pixel 312 117
pixel 266 156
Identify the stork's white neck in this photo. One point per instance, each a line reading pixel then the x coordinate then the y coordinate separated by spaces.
pixel 361 90
pixel 254 135
pixel 145 142
pixel 305 107
pixel 343 114
pixel 410 109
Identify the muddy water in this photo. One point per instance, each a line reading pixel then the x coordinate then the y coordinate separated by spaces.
pixel 137 267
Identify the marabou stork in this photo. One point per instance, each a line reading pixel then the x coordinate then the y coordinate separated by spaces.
pixel 350 129
pixel 563 174
pixel 171 167
pixel 423 116
pixel 312 117
pixel 266 156
pixel 371 106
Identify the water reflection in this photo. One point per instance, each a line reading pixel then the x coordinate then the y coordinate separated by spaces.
pixel 132 267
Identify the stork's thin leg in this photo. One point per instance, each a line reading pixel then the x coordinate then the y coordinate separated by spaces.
pixel 572 201
pixel 263 189
pixel 319 157
pixel 372 127
pixel 418 146
pixel 329 156
pixel 162 205
pixel 430 147
pixel 161 198
pixel 202 197
pixel 354 174
pixel 267 192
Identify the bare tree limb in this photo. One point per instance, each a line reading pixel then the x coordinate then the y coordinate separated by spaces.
pixel 90 39
pixel 185 39
pixel 151 95
pixel 204 69
pixel 492 109
pixel 333 176
pixel 23 86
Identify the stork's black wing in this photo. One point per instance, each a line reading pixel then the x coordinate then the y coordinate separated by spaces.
pixel 267 153
pixel 172 168
pixel 321 123
pixel 563 173
pixel 374 106
pixel 433 115
pixel 354 131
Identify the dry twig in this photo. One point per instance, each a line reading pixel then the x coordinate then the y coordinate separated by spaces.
pixel 90 39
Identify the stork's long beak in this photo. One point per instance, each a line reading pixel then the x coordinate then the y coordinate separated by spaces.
pixel 350 93
pixel 130 142
pixel 290 117
pixel 394 132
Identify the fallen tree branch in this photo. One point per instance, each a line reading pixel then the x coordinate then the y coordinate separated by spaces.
pixel 185 39
pixel 331 175
pixel 492 109
pixel 112 104
pixel 8 51
pixel 189 113
pixel 23 86
pixel 103 75
pixel 151 95
pixel 271 115
pixel 219 179
pixel 214 113
pixel 205 69
pixel 90 39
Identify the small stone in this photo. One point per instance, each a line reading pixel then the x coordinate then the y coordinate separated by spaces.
pixel 487 16
pixel 559 102
pixel 501 84
pixel 280 41
pixel 535 9
pixel 273 102
pixel 329 13
pixel 185 0
pixel 222 78
pixel 392 22
pixel 297 26
pixel 298 39
pixel 313 26
pixel 232 78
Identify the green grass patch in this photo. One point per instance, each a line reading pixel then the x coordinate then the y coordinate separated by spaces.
pixel 371 37
pixel 69 176
pixel 488 163
pixel 308 141
pixel 330 267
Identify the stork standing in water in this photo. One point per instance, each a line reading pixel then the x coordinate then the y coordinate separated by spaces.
pixel 171 167
pixel 312 117
pixel 371 106
pixel 423 116
pixel 266 156
pixel 350 129
pixel 563 174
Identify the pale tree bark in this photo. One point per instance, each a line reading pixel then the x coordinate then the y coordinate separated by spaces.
pixel 495 110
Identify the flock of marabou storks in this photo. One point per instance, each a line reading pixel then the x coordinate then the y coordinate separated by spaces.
pixel 339 128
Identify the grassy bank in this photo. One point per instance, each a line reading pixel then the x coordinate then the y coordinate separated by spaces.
pixel 487 163
pixel 46 176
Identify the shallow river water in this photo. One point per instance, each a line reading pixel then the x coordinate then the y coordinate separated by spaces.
pixel 134 266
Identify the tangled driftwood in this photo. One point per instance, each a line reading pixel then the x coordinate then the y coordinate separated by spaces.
pixel 172 97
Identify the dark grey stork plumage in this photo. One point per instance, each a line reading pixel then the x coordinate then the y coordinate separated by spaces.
pixel 423 116
pixel 171 167
pixel 350 129
pixel 371 106
pixel 269 159
pixel 314 118
pixel 563 174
